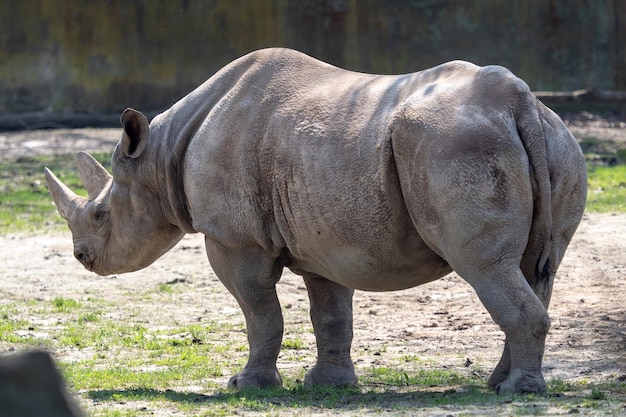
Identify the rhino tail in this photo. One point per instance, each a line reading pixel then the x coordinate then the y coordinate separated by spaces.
pixel 531 132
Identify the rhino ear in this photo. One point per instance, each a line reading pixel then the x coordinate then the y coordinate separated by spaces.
pixel 136 133
pixel 65 200
pixel 93 175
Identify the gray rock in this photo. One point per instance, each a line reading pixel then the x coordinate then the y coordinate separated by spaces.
pixel 31 386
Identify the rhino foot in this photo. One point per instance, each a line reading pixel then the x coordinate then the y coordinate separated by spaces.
pixel 498 376
pixel 331 375
pixel 255 378
pixel 520 382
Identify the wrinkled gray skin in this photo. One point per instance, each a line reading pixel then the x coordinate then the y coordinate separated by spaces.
pixel 353 181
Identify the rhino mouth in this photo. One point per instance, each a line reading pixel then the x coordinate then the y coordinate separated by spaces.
pixel 86 257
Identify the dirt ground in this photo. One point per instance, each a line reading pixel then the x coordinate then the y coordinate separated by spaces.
pixel 443 321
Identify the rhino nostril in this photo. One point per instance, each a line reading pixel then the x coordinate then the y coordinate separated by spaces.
pixel 80 257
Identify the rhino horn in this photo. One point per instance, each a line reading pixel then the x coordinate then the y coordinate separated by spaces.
pixel 64 198
pixel 93 175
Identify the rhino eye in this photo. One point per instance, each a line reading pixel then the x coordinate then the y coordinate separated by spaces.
pixel 100 215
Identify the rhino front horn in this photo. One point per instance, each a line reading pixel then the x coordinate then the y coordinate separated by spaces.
pixel 64 198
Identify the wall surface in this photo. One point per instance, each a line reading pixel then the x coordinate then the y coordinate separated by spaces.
pixel 100 56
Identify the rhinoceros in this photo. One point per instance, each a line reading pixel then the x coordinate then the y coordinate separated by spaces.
pixel 353 181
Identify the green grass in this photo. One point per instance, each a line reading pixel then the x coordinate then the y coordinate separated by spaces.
pixel 607 189
pixel 133 366
pixel 293 343
pixel 62 304
pixel 423 377
pixel 25 204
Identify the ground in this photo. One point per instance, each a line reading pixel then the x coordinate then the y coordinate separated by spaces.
pixel 442 322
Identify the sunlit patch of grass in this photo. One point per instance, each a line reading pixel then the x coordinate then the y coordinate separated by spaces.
pixel 166 288
pixel 64 305
pixel 607 189
pixel 294 343
pixel 13 329
pixel 422 377
pixel 25 204
pixel 130 367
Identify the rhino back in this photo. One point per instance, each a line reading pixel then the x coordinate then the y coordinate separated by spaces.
pixel 296 158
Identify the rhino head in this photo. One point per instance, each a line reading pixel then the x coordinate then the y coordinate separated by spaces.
pixel 123 225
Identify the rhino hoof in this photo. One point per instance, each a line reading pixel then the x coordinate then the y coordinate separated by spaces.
pixel 259 378
pixel 522 382
pixel 334 376
pixel 497 377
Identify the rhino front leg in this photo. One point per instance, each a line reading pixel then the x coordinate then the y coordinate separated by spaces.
pixel 501 372
pixel 251 277
pixel 331 314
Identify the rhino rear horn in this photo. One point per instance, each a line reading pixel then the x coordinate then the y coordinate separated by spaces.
pixel 92 174
pixel 64 198
pixel 136 133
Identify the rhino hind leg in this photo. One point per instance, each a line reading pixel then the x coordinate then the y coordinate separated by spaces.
pixel 481 234
pixel 490 264
pixel 543 290
pixel 503 380
pixel 331 315
pixel 565 221
pixel 522 316
pixel 251 276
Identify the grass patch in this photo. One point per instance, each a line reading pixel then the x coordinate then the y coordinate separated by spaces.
pixel 127 366
pixel 365 399
pixel 294 343
pixel 607 189
pixel 12 329
pixel 423 377
pixel 25 204
pixel 63 305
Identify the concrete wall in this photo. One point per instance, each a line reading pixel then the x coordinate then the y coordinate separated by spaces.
pixel 100 56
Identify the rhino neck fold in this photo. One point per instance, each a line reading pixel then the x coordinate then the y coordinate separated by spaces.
pixel 177 126
pixel 174 170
